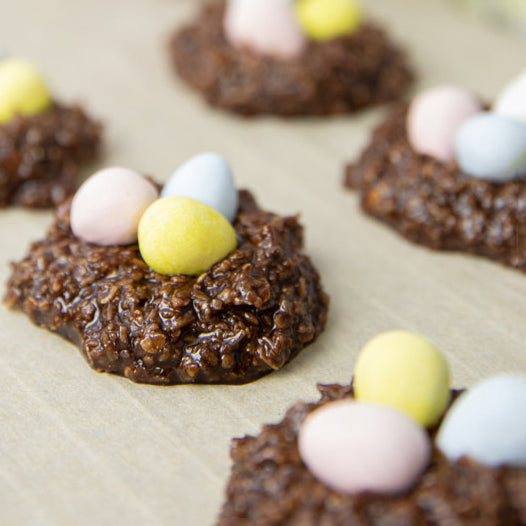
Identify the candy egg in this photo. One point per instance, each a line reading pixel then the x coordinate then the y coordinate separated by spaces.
pixel 208 178
pixel 326 19
pixel 491 146
pixel 512 100
pixel 106 209
pixel 268 27
pixel 353 447
pixel 22 89
pixel 434 117
pixel 180 235
pixel 405 371
pixel 488 423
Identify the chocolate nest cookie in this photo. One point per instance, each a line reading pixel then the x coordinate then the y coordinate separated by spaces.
pixel 40 155
pixel 338 76
pixel 435 203
pixel 269 485
pixel 245 317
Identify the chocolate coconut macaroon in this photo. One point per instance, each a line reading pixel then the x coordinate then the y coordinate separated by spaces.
pixel 43 142
pixel 193 284
pixel 308 57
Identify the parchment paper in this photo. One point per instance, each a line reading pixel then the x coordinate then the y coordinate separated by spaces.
pixel 78 447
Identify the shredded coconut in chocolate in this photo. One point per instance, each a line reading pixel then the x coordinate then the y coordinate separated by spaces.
pixel 41 155
pixel 434 203
pixel 245 317
pixel 338 76
pixel 270 486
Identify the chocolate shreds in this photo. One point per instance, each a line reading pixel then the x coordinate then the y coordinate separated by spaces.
pixel 434 203
pixel 338 76
pixel 270 486
pixel 41 155
pixel 245 317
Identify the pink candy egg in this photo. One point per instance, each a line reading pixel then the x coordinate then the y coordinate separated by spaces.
pixel 106 209
pixel 353 447
pixel 434 118
pixel 268 27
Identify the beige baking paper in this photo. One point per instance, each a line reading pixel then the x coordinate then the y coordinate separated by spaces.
pixel 78 447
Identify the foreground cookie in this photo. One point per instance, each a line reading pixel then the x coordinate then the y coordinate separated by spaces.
pixel 255 307
pixel 356 457
pixel 448 175
pixel 259 57
pixel 43 143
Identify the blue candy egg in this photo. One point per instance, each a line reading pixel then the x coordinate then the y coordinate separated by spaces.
pixel 488 423
pixel 492 146
pixel 208 178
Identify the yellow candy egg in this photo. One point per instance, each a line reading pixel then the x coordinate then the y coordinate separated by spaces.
pixel 326 19
pixel 180 235
pixel 405 371
pixel 22 89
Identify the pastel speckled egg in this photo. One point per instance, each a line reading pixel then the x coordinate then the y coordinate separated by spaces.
pixel 512 100
pixel 326 19
pixel 22 89
pixel 488 423
pixel 404 371
pixel 107 207
pixel 434 117
pixel 180 235
pixel 492 146
pixel 268 27
pixel 353 447
pixel 208 178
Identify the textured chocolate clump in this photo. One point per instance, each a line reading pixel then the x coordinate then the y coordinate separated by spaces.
pixel 435 203
pixel 41 155
pixel 248 315
pixel 338 76
pixel 270 486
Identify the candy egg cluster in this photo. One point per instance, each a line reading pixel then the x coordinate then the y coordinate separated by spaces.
pixel 22 89
pixel 282 28
pixel 378 442
pixel 449 123
pixel 185 230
